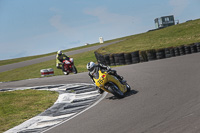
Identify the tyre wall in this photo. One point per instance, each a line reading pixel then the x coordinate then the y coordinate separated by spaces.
pixel 148 55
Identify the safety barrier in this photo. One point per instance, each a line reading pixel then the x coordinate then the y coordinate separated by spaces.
pixel 148 55
pixel 45 72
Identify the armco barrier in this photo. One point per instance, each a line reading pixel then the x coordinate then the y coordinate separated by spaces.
pixel 148 55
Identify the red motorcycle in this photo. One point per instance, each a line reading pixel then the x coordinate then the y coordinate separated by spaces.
pixel 68 66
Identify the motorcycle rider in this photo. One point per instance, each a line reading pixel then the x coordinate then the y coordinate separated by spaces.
pixel 59 59
pixel 93 72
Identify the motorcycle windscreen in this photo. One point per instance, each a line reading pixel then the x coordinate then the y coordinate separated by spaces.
pixel 96 75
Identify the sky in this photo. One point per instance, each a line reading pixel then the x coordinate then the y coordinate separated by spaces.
pixel 33 27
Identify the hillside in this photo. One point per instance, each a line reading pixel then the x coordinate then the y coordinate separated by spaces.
pixel 181 34
pixel 185 33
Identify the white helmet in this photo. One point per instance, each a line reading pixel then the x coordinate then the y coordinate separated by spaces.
pixel 59 52
pixel 90 66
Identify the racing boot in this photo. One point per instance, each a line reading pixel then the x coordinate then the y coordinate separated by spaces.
pixel 100 90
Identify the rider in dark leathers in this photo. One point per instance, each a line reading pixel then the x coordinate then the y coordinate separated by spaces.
pixel 93 72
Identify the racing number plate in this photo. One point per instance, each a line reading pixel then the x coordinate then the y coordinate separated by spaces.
pixel 100 81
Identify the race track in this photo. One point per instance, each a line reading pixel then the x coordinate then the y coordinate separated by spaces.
pixel 51 57
pixel 167 99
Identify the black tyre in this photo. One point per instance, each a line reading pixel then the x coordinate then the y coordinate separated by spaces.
pixel 74 70
pixel 187 49
pixel 135 57
pixel 176 51
pixel 143 56
pixel 193 48
pixel 167 53
pixel 151 55
pixel 116 57
pixel 160 53
pixel 182 50
pixel 112 60
pixel 198 46
pixel 114 89
pixel 128 59
pixel 128 87
pixel 172 52
pixel 101 59
pixel 107 59
pixel 121 59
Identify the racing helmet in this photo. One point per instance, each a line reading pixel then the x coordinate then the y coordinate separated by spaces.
pixel 91 66
pixel 59 52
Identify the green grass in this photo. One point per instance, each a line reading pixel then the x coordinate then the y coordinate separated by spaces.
pixel 33 71
pixel 176 35
pixel 182 34
pixel 19 106
pixel 10 61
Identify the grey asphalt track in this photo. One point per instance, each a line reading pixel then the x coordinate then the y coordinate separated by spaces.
pixel 42 59
pixel 167 99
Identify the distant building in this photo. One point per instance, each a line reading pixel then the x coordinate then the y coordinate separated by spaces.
pixel 101 40
pixel 164 21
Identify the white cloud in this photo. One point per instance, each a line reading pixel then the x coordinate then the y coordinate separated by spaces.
pixel 178 6
pixel 106 17
pixel 114 24
pixel 60 25
pixel 56 10
pixel 55 21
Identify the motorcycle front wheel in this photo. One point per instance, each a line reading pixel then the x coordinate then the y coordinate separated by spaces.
pixel 128 87
pixel 114 89
pixel 64 71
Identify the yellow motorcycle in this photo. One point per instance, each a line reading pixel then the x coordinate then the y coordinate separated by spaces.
pixel 111 84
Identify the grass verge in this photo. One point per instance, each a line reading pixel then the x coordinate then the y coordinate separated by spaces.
pixel 181 34
pixel 10 61
pixel 33 71
pixel 172 36
pixel 19 106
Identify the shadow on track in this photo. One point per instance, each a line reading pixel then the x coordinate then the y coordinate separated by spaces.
pixel 132 92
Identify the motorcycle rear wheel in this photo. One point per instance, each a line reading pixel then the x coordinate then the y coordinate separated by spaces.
pixel 114 89
pixel 74 70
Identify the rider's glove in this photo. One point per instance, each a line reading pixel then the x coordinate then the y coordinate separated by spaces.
pixel 108 68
